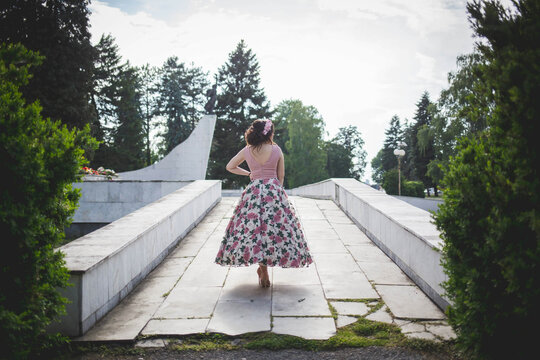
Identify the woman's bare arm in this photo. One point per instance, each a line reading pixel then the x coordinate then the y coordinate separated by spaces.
pixel 232 166
pixel 281 169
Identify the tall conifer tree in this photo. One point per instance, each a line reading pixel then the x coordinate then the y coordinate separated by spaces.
pixel 149 105
pixel 128 134
pixel 116 98
pixel 58 29
pixel 181 100
pixel 106 79
pixel 240 101
pixel 421 143
pixel 394 136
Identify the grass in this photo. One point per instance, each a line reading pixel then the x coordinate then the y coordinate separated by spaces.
pixel 362 333
pixel 359 334
pixel 204 342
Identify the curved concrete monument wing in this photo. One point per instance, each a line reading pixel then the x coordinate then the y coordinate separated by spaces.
pixel 187 161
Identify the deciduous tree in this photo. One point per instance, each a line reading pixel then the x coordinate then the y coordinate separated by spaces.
pixel 305 158
pixel 346 154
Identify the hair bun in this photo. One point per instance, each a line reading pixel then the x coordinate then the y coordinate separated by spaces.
pixel 259 132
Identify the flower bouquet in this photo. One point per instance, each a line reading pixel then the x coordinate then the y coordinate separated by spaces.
pixel 108 173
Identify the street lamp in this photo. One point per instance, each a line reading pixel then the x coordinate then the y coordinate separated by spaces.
pixel 399 153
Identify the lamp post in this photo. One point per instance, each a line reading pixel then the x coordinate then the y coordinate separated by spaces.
pixel 399 153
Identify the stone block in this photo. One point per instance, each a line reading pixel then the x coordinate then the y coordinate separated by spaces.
pixel 204 275
pixel 343 320
pixel 417 306
pixel 306 300
pixel 175 327
pixel 123 323
pixel 443 331
pixel 384 273
pixel 316 328
pixel 350 308
pixel 298 277
pixel 381 315
pixel 368 253
pixel 189 302
pixel 239 317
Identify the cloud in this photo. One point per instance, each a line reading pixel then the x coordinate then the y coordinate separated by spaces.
pixel 422 16
pixel 426 70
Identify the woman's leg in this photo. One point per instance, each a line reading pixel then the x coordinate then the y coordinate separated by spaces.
pixel 264 278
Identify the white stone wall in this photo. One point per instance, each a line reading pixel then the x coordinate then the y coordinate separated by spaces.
pixel 107 201
pixel 187 161
pixel 108 263
pixel 404 232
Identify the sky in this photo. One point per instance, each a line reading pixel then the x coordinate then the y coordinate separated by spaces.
pixel 359 62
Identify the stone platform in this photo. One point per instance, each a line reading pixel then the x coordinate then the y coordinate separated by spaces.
pixel 189 294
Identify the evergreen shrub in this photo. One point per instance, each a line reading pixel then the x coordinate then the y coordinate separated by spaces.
pixel 390 182
pixel 490 219
pixel 40 160
pixel 412 188
pixel 408 188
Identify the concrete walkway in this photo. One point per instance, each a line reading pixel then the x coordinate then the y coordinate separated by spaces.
pixel 189 294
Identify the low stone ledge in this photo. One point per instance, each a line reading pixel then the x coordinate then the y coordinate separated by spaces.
pixel 404 232
pixel 106 201
pixel 108 263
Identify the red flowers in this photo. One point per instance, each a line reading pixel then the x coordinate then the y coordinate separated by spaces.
pixel 100 171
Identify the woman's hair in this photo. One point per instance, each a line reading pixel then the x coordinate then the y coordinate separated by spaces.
pixel 255 134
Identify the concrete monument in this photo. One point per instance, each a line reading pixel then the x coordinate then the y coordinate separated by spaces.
pixel 186 162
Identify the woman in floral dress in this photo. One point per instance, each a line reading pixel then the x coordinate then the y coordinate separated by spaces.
pixel 264 228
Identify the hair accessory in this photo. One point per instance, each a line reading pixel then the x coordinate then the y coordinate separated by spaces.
pixel 267 126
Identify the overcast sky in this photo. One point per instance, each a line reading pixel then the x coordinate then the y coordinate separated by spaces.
pixel 357 61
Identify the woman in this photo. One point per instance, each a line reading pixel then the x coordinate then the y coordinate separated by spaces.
pixel 264 228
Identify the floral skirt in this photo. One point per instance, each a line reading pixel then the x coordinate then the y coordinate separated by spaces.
pixel 264 229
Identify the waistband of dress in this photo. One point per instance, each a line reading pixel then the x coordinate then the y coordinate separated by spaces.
pixel 266 178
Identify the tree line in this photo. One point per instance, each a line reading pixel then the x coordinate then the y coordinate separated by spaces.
pixel 433 135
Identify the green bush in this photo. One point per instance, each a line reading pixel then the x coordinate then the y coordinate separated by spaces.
pixel 390 182
pixel 490 219
pixel 40 159
pixel 408 188
pixel 413 188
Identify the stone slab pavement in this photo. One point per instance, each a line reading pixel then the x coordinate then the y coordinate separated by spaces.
pixel 189 294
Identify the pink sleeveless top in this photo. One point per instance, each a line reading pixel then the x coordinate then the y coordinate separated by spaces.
pixel 267 170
